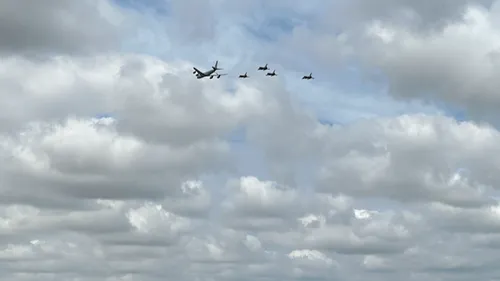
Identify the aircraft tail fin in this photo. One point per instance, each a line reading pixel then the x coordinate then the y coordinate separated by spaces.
pixel 215 66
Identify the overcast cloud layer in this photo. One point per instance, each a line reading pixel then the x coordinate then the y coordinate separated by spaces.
pixel 117 164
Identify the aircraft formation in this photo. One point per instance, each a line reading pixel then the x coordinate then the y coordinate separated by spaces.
pixel 213 72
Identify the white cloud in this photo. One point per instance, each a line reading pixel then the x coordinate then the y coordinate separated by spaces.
pixel 443 52
pixel 458 63
pixel 258 227
pixel 155 191
pixel 379 164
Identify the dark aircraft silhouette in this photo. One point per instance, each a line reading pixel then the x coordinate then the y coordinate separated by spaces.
pixel 263 67
pixel 208 73
pixel 243 75
pixel 217 75
pixel 307 77
pixel 272 73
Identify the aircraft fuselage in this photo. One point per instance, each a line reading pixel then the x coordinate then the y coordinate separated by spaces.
pixel 263 67
pixel 308 77
pixel 208 73
pixel 205 74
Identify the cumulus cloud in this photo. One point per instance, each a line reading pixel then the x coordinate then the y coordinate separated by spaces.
pixel 441 52
pixel 122 166
pixel 457 63
pixel 423 15
pixel 377 164
pixel 54 26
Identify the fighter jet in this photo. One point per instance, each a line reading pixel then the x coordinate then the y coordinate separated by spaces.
pixel 208 73
pixel 263 67
pixel 217 75
pixel 272 73
pixel 308 77
pixel 243 75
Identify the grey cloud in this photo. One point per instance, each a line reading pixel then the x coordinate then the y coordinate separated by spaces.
pixel 254 198
pixel 425 14
pixel 432 51
pixel 193 200
pixel 193 20
pixel 381 161
pixel 56 26
pixel 102 173
pixel 456 64
pixel 457 261
pixel 481 220
pixel 161 220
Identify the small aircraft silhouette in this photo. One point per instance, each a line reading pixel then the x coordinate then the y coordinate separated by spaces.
pixel 217 75
pixel 243 75
pixel 272 73
pixel 263 67
pixel 208 73
pixel 307 77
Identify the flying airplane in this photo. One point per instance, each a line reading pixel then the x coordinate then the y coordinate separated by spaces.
pixel 217 75
pixel 308 77
pixel 263 67
pixel 208 73
pixel 272 73
pixel 243 75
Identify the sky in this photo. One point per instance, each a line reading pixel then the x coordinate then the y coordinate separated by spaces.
pixel 116 163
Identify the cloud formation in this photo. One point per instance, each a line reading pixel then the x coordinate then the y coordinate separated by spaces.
pixel 444 52
pixel 58 26
pixel 116 164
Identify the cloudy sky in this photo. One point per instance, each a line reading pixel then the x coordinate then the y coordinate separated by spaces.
pixel 117 164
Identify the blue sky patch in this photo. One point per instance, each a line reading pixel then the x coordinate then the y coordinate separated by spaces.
pixel 158 7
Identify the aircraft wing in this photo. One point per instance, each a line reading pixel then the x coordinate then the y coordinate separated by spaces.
pixel 198 71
